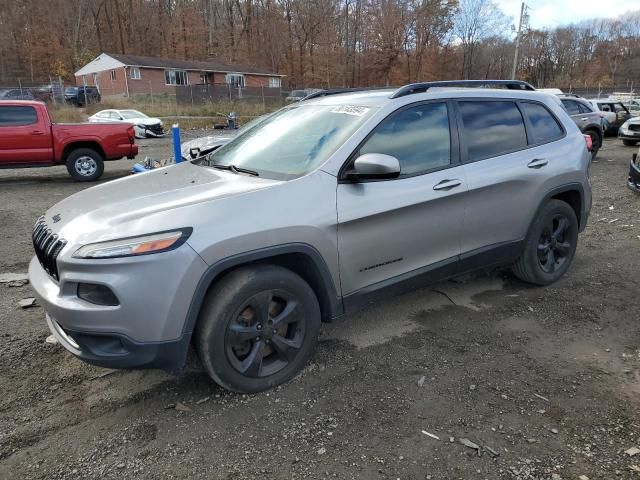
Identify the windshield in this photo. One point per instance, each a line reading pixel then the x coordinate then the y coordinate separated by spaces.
pixel 126 114
pixel 71 89
pixel 291 142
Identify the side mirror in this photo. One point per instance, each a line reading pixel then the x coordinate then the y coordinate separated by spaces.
pixel 194 152
pixel 374 166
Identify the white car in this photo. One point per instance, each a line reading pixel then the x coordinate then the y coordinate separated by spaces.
pixel 613 111
pixel 144 126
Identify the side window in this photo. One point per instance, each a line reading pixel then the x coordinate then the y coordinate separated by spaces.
pixel 571 107
pixel 605 107
pixel 544 126
pixel 584 108
pixel 417 136
pixel 492 128
pixel 16 116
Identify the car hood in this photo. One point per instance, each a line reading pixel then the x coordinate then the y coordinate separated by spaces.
pixel 126 206
pixel 204 143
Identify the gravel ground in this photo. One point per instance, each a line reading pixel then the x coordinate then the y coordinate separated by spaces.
pixel 545 381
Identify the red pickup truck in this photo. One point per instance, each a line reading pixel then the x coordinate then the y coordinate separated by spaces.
pixel 28 138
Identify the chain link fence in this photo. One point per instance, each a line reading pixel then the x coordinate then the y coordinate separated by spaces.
pixel 601 91
pixel 212 93
pixel 49 90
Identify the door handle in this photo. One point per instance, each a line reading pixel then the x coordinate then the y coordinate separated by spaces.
pixel 537 163
pixel 37 132
pixel 447 184
pixel 584 119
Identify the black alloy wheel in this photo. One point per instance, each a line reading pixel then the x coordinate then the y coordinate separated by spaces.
pixel 554 246
pixel 266 334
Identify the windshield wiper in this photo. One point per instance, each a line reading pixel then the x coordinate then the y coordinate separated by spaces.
pixel 235 169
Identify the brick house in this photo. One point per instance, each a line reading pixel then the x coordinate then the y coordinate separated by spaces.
pixel 126 75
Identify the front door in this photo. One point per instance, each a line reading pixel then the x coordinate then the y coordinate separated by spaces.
pixel 394 230
pixel 24 139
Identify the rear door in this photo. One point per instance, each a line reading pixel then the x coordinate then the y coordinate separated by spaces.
pixel 505 145
pixel 392 230
pixel 24 138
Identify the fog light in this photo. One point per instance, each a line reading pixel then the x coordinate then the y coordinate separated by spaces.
pixel 97 294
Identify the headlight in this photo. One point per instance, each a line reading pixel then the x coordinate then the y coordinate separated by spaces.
pixel 133 246
pixel 625 126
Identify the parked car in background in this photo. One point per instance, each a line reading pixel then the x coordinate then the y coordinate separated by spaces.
pixel 16 94
pixel 614 113
pixel 586 118
pixel 28 138
pixel 81 96
pixel 311 215
pixel 629 132
pixel 44 93
pixel 145 127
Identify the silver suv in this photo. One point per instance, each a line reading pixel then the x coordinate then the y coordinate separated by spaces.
pixel 312 214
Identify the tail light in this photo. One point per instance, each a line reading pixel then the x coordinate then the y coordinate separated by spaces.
pixel 589 141
pixel 132 135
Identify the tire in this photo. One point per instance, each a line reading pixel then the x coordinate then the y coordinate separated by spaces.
pixel 246 346
pixel 629 143
pixel 85 164
pixel 550 245
pixel 596 141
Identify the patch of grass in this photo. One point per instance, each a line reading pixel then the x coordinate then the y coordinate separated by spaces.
pixel 165 106
pixel 66 114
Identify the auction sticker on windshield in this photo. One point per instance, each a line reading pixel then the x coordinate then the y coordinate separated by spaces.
pixel 355 110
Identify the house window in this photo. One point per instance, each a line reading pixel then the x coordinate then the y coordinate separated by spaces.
pixel 113 75
pixel 235 80
pixel 176 77
pixel 135 73
pixel 274 82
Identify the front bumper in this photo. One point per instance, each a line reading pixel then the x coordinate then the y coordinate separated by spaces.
pixel 632 135
pixel 145 329
pixel 118 351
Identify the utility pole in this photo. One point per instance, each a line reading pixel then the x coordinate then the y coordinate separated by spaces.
pixel 522 22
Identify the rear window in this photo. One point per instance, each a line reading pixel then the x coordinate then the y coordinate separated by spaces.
pixel 584 108
pixel 17 115
pixel 572 107
pixel 492 128
pixel 544 127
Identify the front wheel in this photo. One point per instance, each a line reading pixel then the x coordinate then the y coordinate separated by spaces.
pixel 85 165
pixel 550 245
pixel 257 328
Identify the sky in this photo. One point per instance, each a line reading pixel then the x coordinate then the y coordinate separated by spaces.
pixel 552 13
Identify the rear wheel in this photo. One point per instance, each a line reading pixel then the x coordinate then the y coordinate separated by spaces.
pixel 550 245
pixel 257 328
pixel 629 143
pixel 85 164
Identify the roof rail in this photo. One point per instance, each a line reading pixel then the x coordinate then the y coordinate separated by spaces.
pixel 335 91
pixel 424 86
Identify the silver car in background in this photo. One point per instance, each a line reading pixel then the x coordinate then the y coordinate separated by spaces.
pixel 324 207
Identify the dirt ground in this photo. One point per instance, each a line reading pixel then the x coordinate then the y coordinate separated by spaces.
pixel 547 379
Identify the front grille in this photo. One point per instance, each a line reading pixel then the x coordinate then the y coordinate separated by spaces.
pixel 47 246
pixel 635 127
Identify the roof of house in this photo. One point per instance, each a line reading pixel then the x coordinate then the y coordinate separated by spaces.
pixel 209 65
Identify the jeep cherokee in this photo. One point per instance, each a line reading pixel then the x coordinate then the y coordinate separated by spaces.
pixel 325 206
